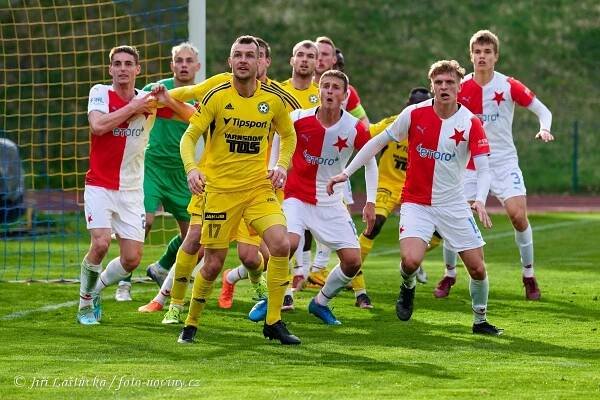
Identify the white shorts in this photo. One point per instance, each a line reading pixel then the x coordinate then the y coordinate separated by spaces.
pixel 348 199
pixel 454 223
pixel 322 255
pixel 330 225
pixel 506 182
pixel 123 211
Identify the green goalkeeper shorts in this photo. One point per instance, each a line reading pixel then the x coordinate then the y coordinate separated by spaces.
pixel 167 187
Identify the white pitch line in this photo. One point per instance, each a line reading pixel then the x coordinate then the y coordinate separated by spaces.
pixel 50 307
pixel 499 235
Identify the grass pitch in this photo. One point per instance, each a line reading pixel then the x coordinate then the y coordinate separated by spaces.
pixel 550 349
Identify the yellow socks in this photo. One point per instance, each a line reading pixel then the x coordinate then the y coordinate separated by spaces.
pixel 184 264
pixel 200 294
pixel 278 279
pixel 366 245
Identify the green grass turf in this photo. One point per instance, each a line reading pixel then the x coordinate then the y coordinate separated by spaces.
pixel 550 349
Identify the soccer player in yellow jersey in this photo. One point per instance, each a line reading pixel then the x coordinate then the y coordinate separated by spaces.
pixel 392 174
pixel 236 183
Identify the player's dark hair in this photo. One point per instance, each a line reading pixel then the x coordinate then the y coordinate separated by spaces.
pixel 418 95
pixel 337 74
pixel 340 62
pixel 245 39
pixel 263 44
pixel 124 49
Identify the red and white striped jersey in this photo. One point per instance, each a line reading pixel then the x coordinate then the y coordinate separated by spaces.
pixel 494 104
pixel 117 157
pixel 438 152
pixel 320 154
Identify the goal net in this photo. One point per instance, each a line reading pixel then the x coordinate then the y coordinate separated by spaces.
pixel 53 52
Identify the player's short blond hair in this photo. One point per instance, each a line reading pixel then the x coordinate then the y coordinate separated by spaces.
pixel 327 40
pixel 307 44
pixel 124 49
pixel 484 37
pixel 336 73
pixel 446 66
pixel 184 46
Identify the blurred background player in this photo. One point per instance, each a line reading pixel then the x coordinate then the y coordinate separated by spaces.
pixel 443 135
pixel 393 161
pixel 164 178
pixel 492 97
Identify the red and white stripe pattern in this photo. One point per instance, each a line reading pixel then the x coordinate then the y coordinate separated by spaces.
pixel 494 104
pixel 320 154
pixel 438 152
pixel 117 157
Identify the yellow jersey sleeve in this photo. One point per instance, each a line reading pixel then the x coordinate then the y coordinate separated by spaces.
pixel 285 128
pixel 198 91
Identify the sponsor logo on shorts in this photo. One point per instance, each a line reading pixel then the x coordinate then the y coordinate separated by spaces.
pixel 218 216
pixel 434 154
pixel 271 199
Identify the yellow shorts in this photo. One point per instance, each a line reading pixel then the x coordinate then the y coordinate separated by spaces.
pixel 388 198
pixel 195 207
pixel 257 208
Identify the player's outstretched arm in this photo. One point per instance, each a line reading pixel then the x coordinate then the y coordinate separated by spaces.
pixel 183 110
pixel 545 117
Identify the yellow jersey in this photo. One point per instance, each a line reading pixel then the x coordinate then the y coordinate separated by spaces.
pixel 308 98
pixel 394 157
pixel 236 150
pixel 198 91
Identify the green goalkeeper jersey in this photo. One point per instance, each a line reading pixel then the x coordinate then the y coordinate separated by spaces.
pixel 163 146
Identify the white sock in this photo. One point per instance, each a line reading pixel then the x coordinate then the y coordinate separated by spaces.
pixel 306 262
pixel 408 280
pixel 288 291
pixel 524 242
pixel 359 292
pixel 114 272
pixel 165 290
pixel 197 268
pixel 335 282
pixel 479 297
pixel 88 277
pixel 237 274
pixel 450 261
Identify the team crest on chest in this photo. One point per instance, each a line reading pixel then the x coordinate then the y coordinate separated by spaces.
pixel 499 97
pixel 341 143
pixel 313 99
pixel 263 107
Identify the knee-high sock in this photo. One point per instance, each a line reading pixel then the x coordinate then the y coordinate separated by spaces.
pixel 184 264
pixel 165 290
pixel 366 245
pixel 359 286
pixel 479 297
pixel 450 261
pixel 170 255
pixel 278 279
pixel 408 280
pixel 335 282
pixel 114 272
pixel 88 276
pixel 200 294
pixel 524 242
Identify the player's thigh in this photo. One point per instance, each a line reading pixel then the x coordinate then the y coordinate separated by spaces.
pixel 152 191
pixel 98 205
pixel 175 195
pixel 507 182
pixel 221 217
pixel 332 226
pixel 416 221
pixel 456 224
pixel 295 211
pixel 263 210
pixel 129 219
